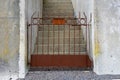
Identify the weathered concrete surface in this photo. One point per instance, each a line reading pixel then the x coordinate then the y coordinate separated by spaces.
pixel 27 8
pixel 9 39
pixel 68 75
pixel 105 33
pixel 107 37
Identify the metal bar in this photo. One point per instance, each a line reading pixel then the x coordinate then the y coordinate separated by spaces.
pixel 58 40
pixel 65 24
pixel 74 40
pixel 69 39
pixel 79 39
pixel 28 44
pixel 64 40
pixel 86 39
pixel 86 35
pixel 53 39
pixel 48 38
pixel 31 38
pixel 37 39
pixel 43 41
pixel 79 34
pixel 89 36
pixel 37 35
pixel 74 37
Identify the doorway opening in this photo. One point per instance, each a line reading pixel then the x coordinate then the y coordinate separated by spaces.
pixel 61 42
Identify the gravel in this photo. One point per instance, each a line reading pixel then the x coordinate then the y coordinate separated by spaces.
pixel 68 75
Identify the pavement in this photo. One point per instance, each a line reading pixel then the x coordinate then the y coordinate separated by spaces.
pixel 68 75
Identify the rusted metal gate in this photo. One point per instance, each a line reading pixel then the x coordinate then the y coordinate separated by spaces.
pixel 59 42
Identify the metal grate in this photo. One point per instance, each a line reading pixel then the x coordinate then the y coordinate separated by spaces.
pixel 59 36
pixel 59 41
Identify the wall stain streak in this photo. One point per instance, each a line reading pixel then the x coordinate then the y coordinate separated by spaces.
pixel 97 46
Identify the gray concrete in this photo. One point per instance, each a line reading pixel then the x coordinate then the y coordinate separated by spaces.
pixel 105 33
pixel 13 21
pixel 68 75
pixel 9 38
pixel 107 37
pixel 27 8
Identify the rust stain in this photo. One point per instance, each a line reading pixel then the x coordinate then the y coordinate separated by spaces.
pixel 81 61
pixel 58 21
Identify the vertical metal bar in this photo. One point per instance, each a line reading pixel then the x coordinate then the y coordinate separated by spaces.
pixel 89 35
pixel 64 41
pixel 31 40
pixel 37 36
pixel 79 38
pixel 86 38
pixel 43 40
pixel 79 33
pixel 28 44
pixel 58 39
pixel 37 39
pixel 69 39
pixel 86 35
pixel 48 38
pixel 53 39
pixel 74 39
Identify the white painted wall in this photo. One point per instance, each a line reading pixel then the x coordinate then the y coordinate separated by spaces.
pixel 9 39
pixel 107 29
pixel 23 46
pixel 27 8
pixel 105 33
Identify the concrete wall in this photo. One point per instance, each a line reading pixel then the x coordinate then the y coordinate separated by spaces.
pixel 27 8
pixel 9 39
pixel 107 37
pixel 105 33
pixel 13 36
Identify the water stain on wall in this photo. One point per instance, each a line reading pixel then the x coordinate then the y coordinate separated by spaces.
pixel 97 45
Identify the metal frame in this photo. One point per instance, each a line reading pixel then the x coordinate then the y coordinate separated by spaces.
pixel 81 21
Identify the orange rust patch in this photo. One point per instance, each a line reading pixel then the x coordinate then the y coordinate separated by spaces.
pixel 58 21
